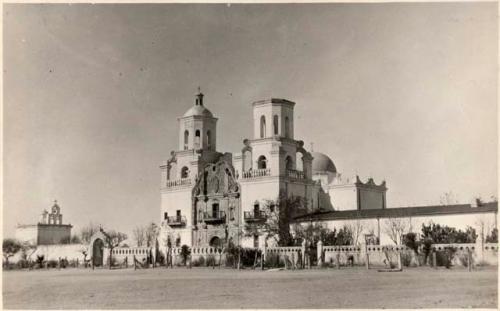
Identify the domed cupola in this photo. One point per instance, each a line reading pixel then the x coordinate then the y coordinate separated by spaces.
pixel 197 127
pixel 198 109
pixel 322 165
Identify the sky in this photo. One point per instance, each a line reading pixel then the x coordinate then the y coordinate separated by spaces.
pixel 405 93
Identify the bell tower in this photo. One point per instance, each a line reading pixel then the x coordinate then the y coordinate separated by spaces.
pixel 197 127
pixel 273 118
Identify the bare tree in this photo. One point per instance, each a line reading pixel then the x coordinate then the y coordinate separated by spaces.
pixel 355 227
pixel 139 235
pixel 168 242
pixel 113 240
pixel 395 228
pixel 87 232
pixel 151 233
pixel 484 225
pixel 448 198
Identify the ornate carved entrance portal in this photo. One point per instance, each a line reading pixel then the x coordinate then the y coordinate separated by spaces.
pixel 216 205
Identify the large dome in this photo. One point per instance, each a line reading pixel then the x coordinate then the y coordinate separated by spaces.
pixel 198 110
pixel 322 163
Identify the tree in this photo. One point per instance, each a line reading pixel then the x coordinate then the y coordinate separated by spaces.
pixel 395 228
pixel 113 240
pixel 278 217
pixel 439 234
pixel 317 232
pixel 355 228
pixel 151 233
pixel 185 252
pixel 168 243
pixel 484 224
pixel 87 232
pixel 139 235
pixel 9 248
pixel 493 236
pixel 410 241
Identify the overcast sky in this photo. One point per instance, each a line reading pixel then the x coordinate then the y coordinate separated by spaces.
pixel 401 92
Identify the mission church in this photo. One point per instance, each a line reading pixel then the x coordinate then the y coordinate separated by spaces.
pixel 208 196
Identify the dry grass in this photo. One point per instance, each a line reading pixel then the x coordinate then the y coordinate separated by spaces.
pixel 207 288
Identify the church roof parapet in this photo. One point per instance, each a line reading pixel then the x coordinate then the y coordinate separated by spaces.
pixel 281 101
pixel 395 212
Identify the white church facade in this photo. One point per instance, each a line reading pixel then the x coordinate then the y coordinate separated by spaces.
pixel 208 196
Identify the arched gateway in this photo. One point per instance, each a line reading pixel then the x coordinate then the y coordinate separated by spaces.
pixel 97 248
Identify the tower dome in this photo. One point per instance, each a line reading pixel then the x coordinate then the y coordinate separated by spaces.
pixel 198 109
pixel 322 163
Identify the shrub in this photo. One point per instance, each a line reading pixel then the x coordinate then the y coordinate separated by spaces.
pixel 410 241
pixel 22 264
pixel 406 259
pixel 273 261
pixel 231 255
pixel 463 258
pixel 52 263
pixel 210 260
pixel 185 252
pixel 445 258
pixel 248 256
pixel 493 236
pixel 200 261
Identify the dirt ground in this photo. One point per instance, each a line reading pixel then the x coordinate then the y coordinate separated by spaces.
pixel 201 288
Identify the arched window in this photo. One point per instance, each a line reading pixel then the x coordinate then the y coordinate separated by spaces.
pixel 262 127
pixel 186 138
pixel 197 139
pixel 275 125
pixel 209 139
pixel 262 162
pixel 289 163
pixel 185 172
pixel 287 127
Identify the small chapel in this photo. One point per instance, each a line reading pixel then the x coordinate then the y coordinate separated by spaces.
pixel 50 229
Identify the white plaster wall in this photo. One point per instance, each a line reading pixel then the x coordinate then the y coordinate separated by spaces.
pixel 414 224
pixel 344 197
pixel 260 190
pixel 179 199
pixel 27 234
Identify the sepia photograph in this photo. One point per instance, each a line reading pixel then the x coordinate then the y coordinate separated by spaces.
pixel 331 155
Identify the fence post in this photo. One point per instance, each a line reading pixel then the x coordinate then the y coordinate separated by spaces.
pixel 400 265
pixel 263 255
pixel 469 260
pixel 367 259
pixel 320 253
pixel 303 249
pixel 434 261
pixel 135 264
pixel 338 260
